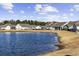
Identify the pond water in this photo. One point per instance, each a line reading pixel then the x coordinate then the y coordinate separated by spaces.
pixel 27 43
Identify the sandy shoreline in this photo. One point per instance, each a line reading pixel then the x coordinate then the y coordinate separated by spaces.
pixel 69 40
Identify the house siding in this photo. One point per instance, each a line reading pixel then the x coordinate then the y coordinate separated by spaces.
pixel 77 27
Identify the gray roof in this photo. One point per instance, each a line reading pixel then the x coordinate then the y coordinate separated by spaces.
pixel 77 23
pixel 58 24
pixel 71 23
pixel 25 25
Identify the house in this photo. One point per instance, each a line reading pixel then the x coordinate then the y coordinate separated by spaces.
pixel 18 27
pixel 13 27
pixel 33 27
pixel 7 27
pixel 53 25
pixel 38 27
pixel 44 27
pixel 65 26
pixel 57 25
pixel 77 24
pixel 24 27
pixel 2 27
pixel 50 25
pixel 71 26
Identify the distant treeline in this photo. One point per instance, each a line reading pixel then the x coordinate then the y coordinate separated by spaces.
pixel 31 22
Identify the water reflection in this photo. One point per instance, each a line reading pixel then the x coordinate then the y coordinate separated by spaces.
pixel 26 43
pixel 7 36
pixel 7 33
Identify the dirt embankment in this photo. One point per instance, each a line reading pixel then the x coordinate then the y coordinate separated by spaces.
pixel 70 43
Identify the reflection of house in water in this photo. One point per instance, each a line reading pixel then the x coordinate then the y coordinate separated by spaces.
pixel 7 32
pixel 8 37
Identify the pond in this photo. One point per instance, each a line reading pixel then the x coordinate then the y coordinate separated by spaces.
pixel 27 43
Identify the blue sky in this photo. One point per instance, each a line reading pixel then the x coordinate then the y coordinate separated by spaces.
pixel 40 11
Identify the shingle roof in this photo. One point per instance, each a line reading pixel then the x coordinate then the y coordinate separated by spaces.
pixel 7 25
pixel 77 23
pixel 24 25
pixel 58 24
pixel 50 23
pixel 71 23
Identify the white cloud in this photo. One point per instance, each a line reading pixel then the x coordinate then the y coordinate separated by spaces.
pixel 22 11
pixel 72 9
pixel 67 17
pixel 7 6
pixel 50 9
pixel 42 13
pixel 41 9
pixel 76 7
pixel 71 14
pixel 64 17
pixel 10 11
pixel 51 18
pixel 38 7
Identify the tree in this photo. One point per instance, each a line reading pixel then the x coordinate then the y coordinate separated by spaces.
pixel 6 22
pixel 12 22
pixel 18 21
pixel 31 22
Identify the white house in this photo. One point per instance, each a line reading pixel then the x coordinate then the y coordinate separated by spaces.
pixel 64 24
pixel 7 28
pixel 50 25
pixel 18 27
pixel 23 27
pixel 77 24
pixel 26 26
pixel 38 27
pixel 51 28
pixel 77 27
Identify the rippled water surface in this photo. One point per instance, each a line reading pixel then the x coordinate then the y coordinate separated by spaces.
pixel 27 43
